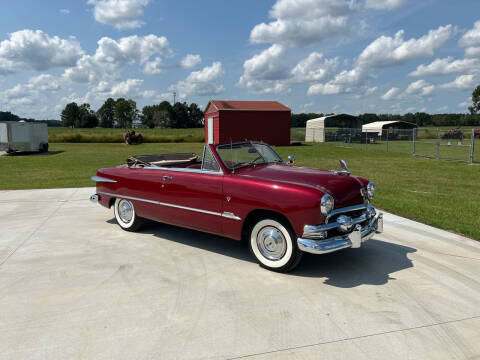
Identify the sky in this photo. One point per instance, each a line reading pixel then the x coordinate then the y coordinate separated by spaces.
pixel 323 56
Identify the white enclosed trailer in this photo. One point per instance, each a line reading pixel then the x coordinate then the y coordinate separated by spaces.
pixel 23 136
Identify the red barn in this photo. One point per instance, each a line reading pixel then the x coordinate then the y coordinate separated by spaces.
pixel 227 120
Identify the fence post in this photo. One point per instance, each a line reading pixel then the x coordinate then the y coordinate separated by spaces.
pixel 414 136
pixel 472 145
pixel 438 144
pixel 387 139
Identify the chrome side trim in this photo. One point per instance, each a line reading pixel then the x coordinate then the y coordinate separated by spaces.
pixel 230 215
pixel 224 214
pixel 187 170
pixel 102 179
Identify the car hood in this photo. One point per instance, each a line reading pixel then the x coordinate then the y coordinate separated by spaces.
pixel 344 188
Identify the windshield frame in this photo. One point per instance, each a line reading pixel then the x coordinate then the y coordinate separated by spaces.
pixel 245 164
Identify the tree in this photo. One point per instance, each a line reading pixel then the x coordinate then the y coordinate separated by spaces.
pixel 180 115
pixel 88 118
pixel 106 113
pixel 475 108
pixel 161 118
pixel 147 116
pixel 195 116
pixel 125 112
pixel 70 115
pixel 8 116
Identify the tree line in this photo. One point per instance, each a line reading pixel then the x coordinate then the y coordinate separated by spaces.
pixel 123 113
pixel 419 118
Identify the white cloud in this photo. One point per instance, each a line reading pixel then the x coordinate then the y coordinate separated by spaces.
pixel 265 72
pixel 126 88
pixel 45 82
pixel 35 50
pixel 314 68
pixel 471 41
pixel 446 66
pixel 121 14
pixel 461 82
pixel 391 94
pixel 387 51
pixel 324 89
pixel 190 61
pixel 203 82
pixel 464 104
pixel 370 91
pixel 420 87
pixel 31 93
pixel 153 67
pixel 64 11
pixel 384 4
pixel 111 55
pixel 343 82
pixel 303 22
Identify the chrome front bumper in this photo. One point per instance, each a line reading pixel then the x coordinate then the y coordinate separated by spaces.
pixel 351 240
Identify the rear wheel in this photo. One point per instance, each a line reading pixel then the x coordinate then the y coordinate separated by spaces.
pixel 126 216
pixel 272 243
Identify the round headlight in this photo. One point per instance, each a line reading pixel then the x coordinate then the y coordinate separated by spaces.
pixel 326 204
pixel 370 190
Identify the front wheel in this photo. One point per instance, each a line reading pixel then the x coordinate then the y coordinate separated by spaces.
pixel 272 243
pixel 126 216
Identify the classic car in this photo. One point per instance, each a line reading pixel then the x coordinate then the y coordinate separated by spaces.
pixel 245 191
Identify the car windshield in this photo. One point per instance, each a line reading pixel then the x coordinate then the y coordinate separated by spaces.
pixel 238 155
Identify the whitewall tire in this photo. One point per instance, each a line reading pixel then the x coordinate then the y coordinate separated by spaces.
pixel 126 216
pixel 274 245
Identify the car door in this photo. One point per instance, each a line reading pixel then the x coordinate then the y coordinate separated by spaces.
pixel 145 187
pixel 195 195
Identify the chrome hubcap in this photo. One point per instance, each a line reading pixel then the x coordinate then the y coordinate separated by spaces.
pixel 125 211
pixel 271 243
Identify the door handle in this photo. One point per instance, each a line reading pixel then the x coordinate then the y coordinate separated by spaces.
pixel 166 178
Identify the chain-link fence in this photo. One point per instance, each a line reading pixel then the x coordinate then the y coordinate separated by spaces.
pixel 456 144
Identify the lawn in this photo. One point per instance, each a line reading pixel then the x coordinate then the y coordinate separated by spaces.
pixel 438 193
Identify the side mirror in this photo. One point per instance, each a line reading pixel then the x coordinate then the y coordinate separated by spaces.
pixel 291 159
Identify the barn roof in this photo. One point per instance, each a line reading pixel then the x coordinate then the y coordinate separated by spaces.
pixel 234 105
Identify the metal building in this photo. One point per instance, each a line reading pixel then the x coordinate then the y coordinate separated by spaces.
pixel 232 121
pixel 377 127
pixel 315 130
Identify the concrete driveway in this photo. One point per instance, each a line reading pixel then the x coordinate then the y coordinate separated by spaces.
pixel 74 285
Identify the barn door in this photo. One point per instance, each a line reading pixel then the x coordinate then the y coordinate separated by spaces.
pixel 210 130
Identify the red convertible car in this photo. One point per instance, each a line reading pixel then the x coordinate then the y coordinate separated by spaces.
pixel 245 191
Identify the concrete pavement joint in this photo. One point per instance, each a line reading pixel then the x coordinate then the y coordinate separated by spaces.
pixel 353 338
pixel 32 233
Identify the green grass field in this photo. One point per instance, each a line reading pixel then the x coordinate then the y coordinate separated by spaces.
pixel 438 193
pixel 115 135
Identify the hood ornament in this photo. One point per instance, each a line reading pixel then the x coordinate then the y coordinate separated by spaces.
pixel 343 165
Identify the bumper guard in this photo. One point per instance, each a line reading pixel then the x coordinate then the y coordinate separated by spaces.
pixel 351 240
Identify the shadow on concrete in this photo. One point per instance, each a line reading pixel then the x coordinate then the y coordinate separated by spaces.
pixel 36 153
pixel 372 264
pixel 198 239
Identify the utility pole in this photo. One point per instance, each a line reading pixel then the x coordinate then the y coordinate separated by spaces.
pixel 174 96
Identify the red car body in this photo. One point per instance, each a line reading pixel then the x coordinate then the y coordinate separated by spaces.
pixel 222 202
